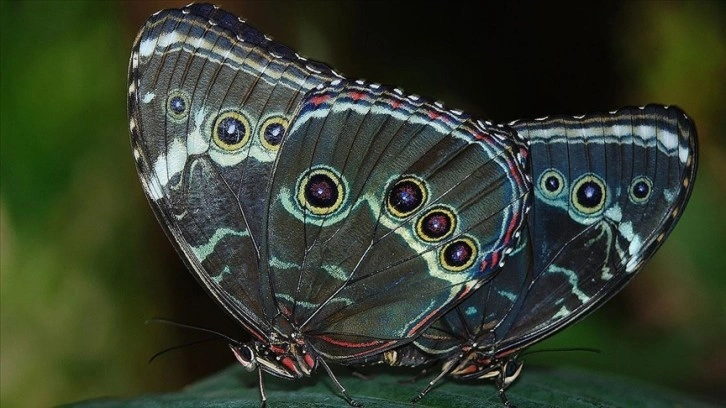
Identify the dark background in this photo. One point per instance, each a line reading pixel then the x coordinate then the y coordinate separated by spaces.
pixel 84 262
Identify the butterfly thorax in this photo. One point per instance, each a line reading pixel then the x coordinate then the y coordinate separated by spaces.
pixel 282 358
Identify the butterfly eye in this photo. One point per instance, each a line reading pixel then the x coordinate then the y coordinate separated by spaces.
pixel 511 371
pixel 320 191
pixel 231 131
pixel 551 183
pixel 177 105
pixel 588 194
pixel 406 196
pixel 245 356
pixel 458 255
pixel 640 190
pixel 272 131
pixel 436 224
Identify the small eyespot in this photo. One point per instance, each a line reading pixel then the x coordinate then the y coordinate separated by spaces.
pixel 436 224
pixel 320 191
pixel 406 196
pixel 589 194
pixel 272 131
pixel 640 190
pixel 177 105
pixel 458 255
pixel 551 183
pixel 231 131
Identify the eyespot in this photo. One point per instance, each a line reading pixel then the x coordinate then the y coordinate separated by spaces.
pixel 640 190
pixel 436 224
pixel 320 191
pixel 231 130
pixel 177 105
pixel 588 194
pixel 458 255
pixel 551 183
pixel 406 196
pixel 272 131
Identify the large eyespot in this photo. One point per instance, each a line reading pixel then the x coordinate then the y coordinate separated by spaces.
pixel 458 255
pixel 588 194
pixel 320 191
pixel 436 224
pixel 272 131
pixel 406 196
pixel 640 190
pixel 551 183
pixel 231 130
pixel 177 105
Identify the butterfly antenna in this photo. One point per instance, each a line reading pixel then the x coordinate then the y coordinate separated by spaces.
pixel 197 328
pixel 566 349
pixel 193 343
pixel 342 389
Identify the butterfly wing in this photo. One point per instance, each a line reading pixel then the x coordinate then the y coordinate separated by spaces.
pixel 644 161
pixel 609 188
pixel 384 210
pixel 209 100
pixel 476 318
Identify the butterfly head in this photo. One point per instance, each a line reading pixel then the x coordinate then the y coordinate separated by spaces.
pixel 281 359
pixel 478 364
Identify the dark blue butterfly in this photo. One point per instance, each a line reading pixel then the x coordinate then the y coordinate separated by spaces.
pixel 334 220
pixel 608 190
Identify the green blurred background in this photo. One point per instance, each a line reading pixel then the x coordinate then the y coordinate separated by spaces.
pixel 84 262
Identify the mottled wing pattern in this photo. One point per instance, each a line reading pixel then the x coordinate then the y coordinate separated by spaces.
pixel 210 99
pixel 384 209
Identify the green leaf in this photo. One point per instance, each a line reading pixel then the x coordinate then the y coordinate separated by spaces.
pixel 537 387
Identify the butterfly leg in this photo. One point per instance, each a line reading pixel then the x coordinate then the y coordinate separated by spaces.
pixel 342 390
pixel 430 386
pixel 502 394
pixel 423 373
pixel 263 396
pixel 358 374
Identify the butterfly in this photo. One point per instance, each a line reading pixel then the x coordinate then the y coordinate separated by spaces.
pixel 332 219
pixel 608 189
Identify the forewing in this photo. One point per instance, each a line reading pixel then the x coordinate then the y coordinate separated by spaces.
pixel 210 99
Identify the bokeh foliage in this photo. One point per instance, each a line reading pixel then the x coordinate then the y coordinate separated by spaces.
pixel 83 262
